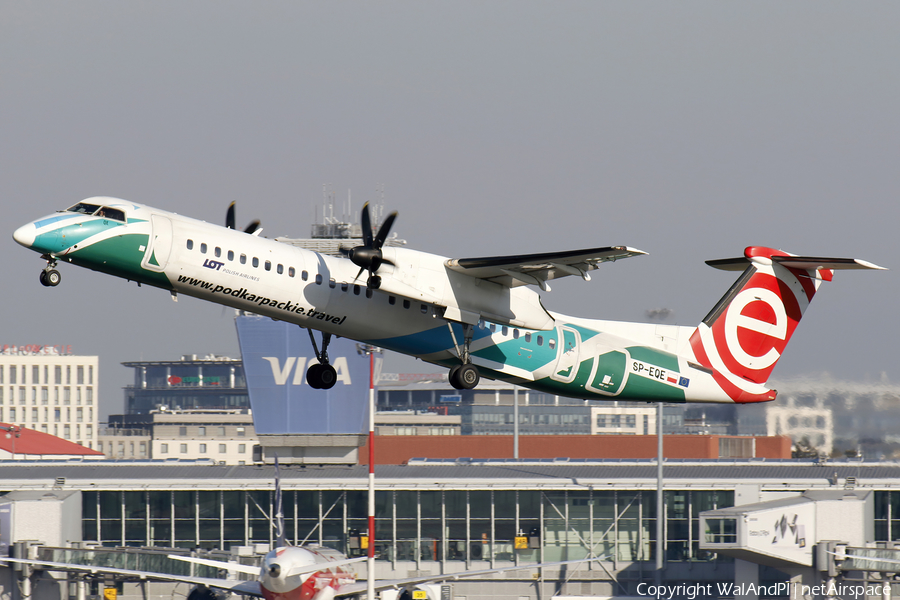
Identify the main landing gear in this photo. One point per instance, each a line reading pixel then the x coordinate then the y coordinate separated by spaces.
pixel 50 277
pixel 321 376
pixel 464 376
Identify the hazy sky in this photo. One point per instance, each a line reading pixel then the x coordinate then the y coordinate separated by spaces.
pixel 689 130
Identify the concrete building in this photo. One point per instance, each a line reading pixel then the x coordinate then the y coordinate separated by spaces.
pixel 445 517
pixel 50 389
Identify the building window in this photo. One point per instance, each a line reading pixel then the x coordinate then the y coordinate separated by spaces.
pixel 221 431
pixel 67 431
pixel 35 374
pixel 223 448
pixel 90 396
pixel 201 431
pixel 57 375
pixel 79 374
pixel 202 448
pixel 183 448
pixel 163 448
pixel 45 395
pixel 67 395
pixel 12 374
pixel 68 375
pixel 242 448
pixel 57 413
pixel 182 431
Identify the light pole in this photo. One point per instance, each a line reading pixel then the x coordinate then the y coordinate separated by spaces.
pixel 12 432
pixel 370 562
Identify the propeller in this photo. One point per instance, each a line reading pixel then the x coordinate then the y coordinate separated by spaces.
pixel 369 256
pixel 229 221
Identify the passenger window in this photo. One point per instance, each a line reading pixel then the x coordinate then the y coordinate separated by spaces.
pixel 318 279
pixel 231 255
pixel 218 252
pixel 406 304
pixel 369 292
pixel 243 259
pixel 424 309
pixel 528 337
pixel 190 244
pixel 280 269
pixel 493 328
pixel 304 275
pixel 481 324
pixel 203 248
pixel 255 262
pixel 268 265
pixel 332 283
pixel 505 330
pixel 552 343
pixel 392 300
pixel 356 290
pixel 345 286
pixel 515 334
pixel 291 271
pixel 540 340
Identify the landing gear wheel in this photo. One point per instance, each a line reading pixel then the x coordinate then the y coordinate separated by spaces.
pixel 374 282
pixel 453 378
pixel 321 377
pixel 50 278
pixel 468 376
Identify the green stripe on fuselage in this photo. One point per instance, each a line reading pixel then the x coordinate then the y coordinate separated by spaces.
pixel 120 256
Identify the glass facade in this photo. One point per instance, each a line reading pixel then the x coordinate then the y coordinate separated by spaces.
pixel 413 525
pixel 187 384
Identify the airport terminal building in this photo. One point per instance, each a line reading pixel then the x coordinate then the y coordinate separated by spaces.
pixel 436 517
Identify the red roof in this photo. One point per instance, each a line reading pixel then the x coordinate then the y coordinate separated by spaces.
pixel 34 442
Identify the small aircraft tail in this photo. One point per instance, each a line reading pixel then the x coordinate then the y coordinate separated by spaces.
pixel 280 541
pixel 744 335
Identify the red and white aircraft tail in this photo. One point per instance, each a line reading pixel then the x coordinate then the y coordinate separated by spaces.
pixel 743 337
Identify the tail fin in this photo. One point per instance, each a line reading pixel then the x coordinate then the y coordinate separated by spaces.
pixel 743 337
pixel 280 541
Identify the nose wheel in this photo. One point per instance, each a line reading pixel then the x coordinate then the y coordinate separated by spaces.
pixel 50 277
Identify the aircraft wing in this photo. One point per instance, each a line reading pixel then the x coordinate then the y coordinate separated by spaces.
pixel 246 588
pixel 537 269
pixel 359 587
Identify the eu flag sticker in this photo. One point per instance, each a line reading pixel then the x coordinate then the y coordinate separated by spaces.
pixel 684 381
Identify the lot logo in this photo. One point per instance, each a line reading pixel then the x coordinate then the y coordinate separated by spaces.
pixel 281 373
pixel 797 531
pixel 215 265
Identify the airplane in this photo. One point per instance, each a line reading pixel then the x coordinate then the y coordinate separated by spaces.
pixel 475 316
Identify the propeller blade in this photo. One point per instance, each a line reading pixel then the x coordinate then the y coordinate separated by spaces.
pixel 366 226
pixel 253 226
pixel 229 216
pixel 385 229
pixel 361 271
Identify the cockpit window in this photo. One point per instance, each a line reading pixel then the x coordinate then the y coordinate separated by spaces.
pixel 98 211
pixel 110 213
pixel 84 208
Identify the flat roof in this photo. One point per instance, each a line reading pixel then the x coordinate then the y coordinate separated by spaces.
pixel 597 475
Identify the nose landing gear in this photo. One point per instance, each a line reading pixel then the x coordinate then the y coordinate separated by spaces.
pixel 50 277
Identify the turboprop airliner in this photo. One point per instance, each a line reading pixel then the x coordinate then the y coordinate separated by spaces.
pixel 480 316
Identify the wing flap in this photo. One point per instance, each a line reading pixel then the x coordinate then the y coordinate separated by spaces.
pixel 537 269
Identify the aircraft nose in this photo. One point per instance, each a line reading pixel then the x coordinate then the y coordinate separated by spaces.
pixel 25 235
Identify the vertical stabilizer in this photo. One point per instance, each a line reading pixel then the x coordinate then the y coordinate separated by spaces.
pixel 745 334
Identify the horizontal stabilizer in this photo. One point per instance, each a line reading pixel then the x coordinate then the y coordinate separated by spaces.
pixel 806 263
